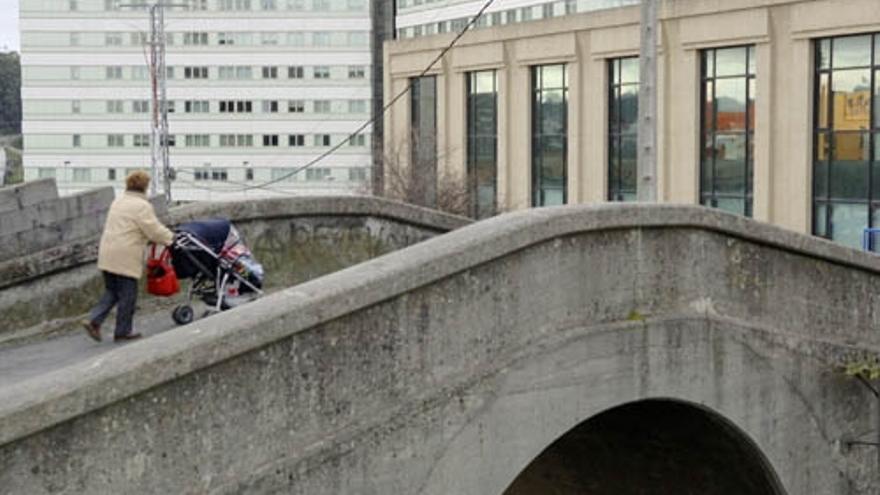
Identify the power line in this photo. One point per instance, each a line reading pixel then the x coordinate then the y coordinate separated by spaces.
pixel 372 120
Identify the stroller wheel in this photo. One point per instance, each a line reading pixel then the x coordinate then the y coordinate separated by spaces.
pixel 182 315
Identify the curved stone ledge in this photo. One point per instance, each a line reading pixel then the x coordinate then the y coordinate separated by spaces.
pixel 61 282
pixel 642 264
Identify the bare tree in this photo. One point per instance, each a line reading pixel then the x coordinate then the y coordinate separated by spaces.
pixel 414 178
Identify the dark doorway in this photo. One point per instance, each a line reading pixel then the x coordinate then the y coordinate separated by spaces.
pixel 654 447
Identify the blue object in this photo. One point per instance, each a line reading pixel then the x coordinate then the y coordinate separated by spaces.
pixel 868 238
pixel 212 232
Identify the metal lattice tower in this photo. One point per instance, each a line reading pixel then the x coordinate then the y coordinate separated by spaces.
pixel 159 145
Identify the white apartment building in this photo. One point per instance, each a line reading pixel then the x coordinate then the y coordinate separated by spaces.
pixel 417 18
pixel 256 89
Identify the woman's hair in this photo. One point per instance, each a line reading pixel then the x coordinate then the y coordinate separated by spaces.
pixel 137 181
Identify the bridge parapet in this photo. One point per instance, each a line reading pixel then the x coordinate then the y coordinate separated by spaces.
pixel 296 238
pixel 447 366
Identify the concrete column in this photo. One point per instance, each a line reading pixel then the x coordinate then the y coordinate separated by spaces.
pixel 519 137
pixel 764 97
pixel 575 156
pixel 455 126
pixel 594 108
pixel 793 129
pixel 504 141
pixel 681 122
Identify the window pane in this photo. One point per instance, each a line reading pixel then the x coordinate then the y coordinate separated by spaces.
pixel 753 90
pixel 875 170
pixel 820 219
pixel 709 107
pixel 731 205
pixel 552 112
pixel 823 102
pixel 552 160
pixel 730 163
pixel 553 196
pixel 876 49
pixel 730 95
pixel 753 63
pixel 628 167
pixel 629 108
pixel 613 167
pixel 551 76
pixel 730 61
pixel 484 156
pixel 629 70
pixel 877 97
pixel 706 172
pixel 852 51
pixel 824 55
pixel 848 221
pixel 485 82
pixel 709 63
pixel 851 99
pixel 614 111
pixel 849 169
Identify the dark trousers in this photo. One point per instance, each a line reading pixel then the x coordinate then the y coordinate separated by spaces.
pixel 119 291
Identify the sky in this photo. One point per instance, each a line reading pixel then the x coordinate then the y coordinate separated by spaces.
pixel 9 25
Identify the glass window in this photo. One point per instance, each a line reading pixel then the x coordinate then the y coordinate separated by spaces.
pixel 296 106
pixel 82 175
pixel 357 106
pixel 321 106
pixel 549 134
pixel 846 175
pixel 482 142
pixel 623 113
pixel 357 174
pixel 356 72
pixel 321 72
pixel 115 140
pixel 317 173
pixel 295 72
pixel 728 128
pixel 423 137
pixel 321 39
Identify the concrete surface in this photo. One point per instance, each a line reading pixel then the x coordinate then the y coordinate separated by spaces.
pixel 42 220
pixel 295 238
pixel 447 367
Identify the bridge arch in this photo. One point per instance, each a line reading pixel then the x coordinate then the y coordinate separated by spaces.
pixel 667 446
pixel 707 369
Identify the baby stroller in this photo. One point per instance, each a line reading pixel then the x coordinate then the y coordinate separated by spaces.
pixel 223 270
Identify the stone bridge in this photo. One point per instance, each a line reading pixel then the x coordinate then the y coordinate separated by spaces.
pixel 617 349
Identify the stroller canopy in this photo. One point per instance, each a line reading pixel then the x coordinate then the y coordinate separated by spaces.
pixel 212 232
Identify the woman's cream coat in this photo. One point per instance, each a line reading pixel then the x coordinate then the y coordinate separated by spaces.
pixel 131 223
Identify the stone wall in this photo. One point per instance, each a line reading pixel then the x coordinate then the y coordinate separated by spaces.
pixel 296 239
pixel 33 218
pixel 448 366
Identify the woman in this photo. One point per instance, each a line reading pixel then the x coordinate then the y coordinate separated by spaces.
pixel 131 223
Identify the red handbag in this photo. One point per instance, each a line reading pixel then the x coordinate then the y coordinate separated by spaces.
pixel 161 279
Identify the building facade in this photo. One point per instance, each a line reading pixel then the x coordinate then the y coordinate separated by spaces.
pixel 767 108
pixel 256 89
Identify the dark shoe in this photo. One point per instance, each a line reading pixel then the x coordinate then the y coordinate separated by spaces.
pixel 92 329
pixel 122 338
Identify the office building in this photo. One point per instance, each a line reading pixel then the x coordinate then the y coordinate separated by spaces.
pixel 256 89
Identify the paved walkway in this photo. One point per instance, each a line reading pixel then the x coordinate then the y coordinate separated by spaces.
pixel 21 362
